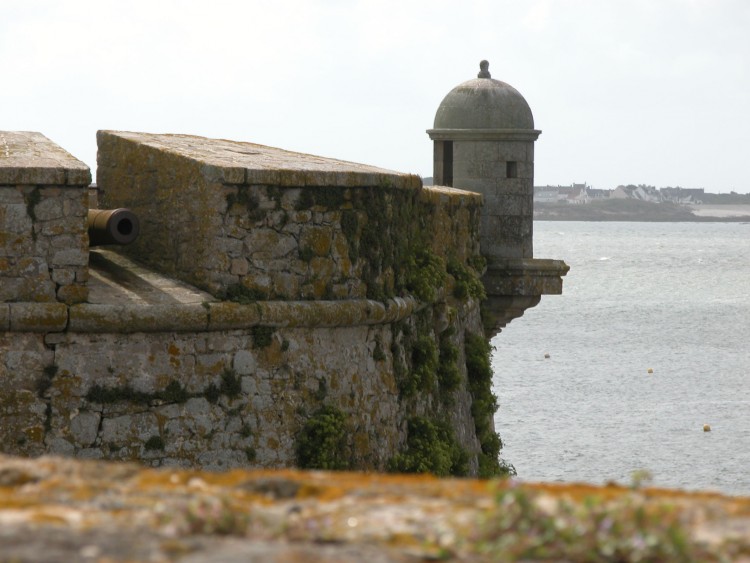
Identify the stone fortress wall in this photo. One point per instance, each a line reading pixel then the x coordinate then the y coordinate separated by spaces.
pixel 276 309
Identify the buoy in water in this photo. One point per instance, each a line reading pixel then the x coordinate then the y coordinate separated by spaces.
pixel 707 428
pixel 650 370
pixel 546 356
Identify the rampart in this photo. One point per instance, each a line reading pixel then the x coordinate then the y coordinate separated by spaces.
pixel 277 309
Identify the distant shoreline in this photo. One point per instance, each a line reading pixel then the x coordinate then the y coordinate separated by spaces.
pixel 635 210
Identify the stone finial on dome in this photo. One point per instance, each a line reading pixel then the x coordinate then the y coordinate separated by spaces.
pixel 484 70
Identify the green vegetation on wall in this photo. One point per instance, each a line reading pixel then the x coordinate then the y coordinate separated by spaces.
pixel 262 336
pixel 424 274
pixel 431 447
pixel 321 444
pixel 448 375
pixel 424 363
pixel 484 406
pixel 468 283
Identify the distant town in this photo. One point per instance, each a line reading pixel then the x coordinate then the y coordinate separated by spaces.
pixel 580 202
pixel 582 193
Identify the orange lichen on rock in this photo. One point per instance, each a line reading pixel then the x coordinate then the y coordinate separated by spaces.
pixel 131 513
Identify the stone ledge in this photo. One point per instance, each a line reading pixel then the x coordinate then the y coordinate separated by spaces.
pixel 30 158
pixel 37 317
pixel 525 277
pixel 138 318
pixel 200 317
pixel 484 134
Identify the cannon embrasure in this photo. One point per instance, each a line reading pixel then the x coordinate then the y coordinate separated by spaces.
pixel 112 226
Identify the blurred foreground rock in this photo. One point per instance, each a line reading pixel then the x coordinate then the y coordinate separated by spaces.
pixel 54 509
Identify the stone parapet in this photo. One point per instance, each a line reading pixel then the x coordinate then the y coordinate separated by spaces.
pixel 244 220
pixel 30 158
pixel 43 207
pixel 225 215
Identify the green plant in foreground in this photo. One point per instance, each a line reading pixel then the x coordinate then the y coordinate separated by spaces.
pixel 520 527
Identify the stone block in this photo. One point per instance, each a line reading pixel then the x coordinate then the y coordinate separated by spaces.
pixel 14 218
pixel 244 362
pixel 69 257
pixel 11 195
pixel 130 430
pixel 63 276
pixel 60 446
pixel 72 293
pixel 84 428
pixel 49 208
pixel 239 267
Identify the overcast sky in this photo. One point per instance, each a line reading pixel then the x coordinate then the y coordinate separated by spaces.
pixel 624 91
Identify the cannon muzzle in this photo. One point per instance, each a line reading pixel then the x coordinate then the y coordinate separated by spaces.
pixel 112 226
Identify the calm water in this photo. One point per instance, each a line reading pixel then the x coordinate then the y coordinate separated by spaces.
pixel 674 297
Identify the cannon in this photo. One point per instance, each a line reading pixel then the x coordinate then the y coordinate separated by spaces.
pixel 112 226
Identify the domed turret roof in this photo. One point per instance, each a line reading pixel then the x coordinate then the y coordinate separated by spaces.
pixel 484 103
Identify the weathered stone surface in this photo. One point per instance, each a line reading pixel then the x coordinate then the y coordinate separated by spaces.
pixel 55 510
pixel 30 158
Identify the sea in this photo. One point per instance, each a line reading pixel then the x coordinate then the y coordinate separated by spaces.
pixel 615 379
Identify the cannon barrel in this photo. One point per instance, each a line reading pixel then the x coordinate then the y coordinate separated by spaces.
pixel 112 226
